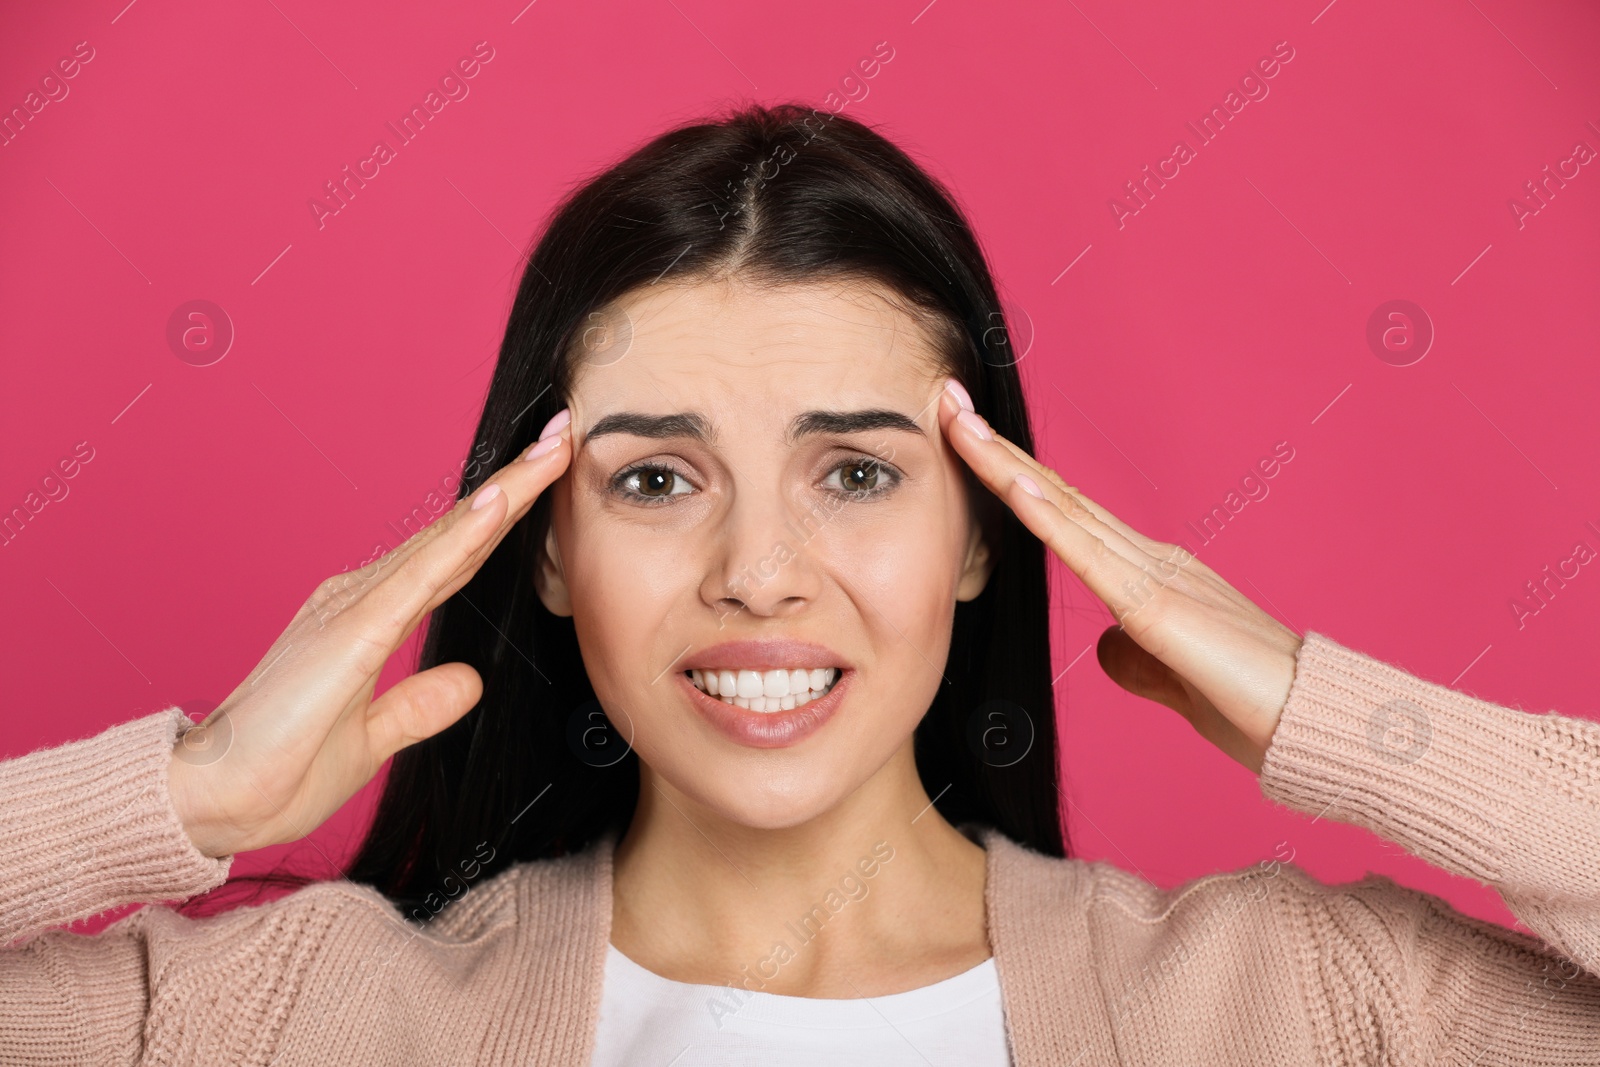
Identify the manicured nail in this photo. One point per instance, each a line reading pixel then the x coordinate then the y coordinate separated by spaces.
pixel 486 494
pixel 558 420
pixel 972 422
pixel 962 398
pixel 545 446
pixel 1029 486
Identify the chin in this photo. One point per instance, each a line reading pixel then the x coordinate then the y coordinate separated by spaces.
pixel 756 795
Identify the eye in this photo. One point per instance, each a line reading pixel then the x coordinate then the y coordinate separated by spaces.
pixel 646 482
pixel 863 476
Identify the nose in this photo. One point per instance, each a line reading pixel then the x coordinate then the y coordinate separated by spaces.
pixel 765 561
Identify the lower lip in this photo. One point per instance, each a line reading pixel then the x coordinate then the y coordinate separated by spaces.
pixel 768 729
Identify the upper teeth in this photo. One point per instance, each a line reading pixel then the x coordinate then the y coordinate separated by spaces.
pixel 775 690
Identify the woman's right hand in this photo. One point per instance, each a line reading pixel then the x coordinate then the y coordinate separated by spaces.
pixel 302 733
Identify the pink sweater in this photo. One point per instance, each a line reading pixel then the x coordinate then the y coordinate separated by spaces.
pixel 1260 965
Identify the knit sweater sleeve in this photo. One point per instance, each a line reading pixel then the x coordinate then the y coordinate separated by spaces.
pixel 88 826
pixel 1507 797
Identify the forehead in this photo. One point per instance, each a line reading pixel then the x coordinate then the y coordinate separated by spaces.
pixel 788 345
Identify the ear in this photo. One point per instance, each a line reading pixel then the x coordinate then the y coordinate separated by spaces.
pixel 549 578
pixel 979 563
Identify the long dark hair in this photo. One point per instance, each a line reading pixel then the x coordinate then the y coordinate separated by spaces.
pixel 779 193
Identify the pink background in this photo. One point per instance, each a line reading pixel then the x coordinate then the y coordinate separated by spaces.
pixel 1168 354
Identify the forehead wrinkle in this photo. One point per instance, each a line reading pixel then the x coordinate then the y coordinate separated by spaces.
pixel 884 332
pixel 867 328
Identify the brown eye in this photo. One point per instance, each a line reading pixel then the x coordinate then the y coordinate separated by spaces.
pixel 655 481
pixel 648 483
pixel 859 476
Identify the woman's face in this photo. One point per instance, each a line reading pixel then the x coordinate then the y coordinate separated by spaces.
pixel 762 466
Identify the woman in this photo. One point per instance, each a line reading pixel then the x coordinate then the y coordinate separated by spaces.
pixel 735 738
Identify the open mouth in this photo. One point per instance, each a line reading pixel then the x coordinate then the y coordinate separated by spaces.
pixel 766 691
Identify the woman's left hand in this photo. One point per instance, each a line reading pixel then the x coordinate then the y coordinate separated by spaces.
pixel 1186 638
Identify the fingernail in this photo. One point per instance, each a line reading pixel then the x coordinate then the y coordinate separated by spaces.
pixel 486 494
pixel 962 398
pixel 545 445
pixel 1029 486
pixel 557 421
pixel 972 422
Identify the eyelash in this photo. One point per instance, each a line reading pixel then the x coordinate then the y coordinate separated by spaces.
pixel 619 486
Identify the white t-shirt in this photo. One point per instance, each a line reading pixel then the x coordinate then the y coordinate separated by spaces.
pixel 650 1021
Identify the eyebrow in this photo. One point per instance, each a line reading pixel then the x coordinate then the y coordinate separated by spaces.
pixel 695 425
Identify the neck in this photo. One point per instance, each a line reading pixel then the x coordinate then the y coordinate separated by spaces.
pixel 877 895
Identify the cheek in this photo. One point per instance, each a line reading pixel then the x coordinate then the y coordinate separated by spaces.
pixel 901 566
pixel 897 577
pixel 627 585
pixel 622 571
pixel 904 558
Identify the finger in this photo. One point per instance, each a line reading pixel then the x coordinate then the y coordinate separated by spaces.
pixel 343 590
pixel 419 706
pixel 1047 478
pixel 393 607
pixel 1148 545
pixel 997 466
pixel 553 448
pixel 1122 584
pixel 559 458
